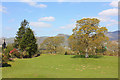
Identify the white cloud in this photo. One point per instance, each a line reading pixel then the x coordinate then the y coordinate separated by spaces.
pixel 34 4
pixel 112 23
pixel 114 4
pixel 3 9
pixel 47 19
pixel 105 19
pixel 39 24
pixel 109 12
pixel 106 15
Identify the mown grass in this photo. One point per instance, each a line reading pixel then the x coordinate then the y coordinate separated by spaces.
pixel 62 66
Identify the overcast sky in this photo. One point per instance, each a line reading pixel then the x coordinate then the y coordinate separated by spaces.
pixel 52 18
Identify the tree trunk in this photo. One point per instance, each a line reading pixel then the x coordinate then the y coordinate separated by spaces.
pixel 30 55
pixel 86 55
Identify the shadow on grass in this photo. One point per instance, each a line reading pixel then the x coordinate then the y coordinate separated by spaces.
pixel 90 56
pixel 5 65
pixel 28 57
pixel 37 55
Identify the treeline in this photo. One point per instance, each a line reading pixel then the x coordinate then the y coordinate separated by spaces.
pixel 88 38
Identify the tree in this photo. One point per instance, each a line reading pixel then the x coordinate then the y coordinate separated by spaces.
pixel 87 36
pixel 51 44
pixel 20 33
pixel 28 43
pixel 5 54
pixel 112 48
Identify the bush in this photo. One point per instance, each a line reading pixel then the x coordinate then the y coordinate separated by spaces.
pixel 15 53
pixel 101 50
pixel 5 58
pixel 110 53
pixel 60 50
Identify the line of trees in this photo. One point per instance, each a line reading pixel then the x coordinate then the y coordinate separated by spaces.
pixel 88 38
pixel 52 45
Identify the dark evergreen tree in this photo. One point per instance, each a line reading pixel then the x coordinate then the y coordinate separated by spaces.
pixel 28 43
pixel 20 33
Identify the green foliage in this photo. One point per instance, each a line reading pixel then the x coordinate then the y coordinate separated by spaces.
pixel 28 43
pixel 69 52
pixel 9 47
pixel 60 50
pixel 0 49
pixel 5 53
pixel 20 33
pixel 87 36
pixel 112 48
pixel 52 44
pixel 25 41
pixel 101 50
pixel 16 54
pixel 5 58
pixel 7 50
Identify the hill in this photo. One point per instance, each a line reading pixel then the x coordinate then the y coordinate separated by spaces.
pixel 114 36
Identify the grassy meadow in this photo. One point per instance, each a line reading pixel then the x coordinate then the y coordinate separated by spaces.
pixel 62 66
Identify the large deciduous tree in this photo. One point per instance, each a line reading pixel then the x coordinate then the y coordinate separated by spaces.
pixel 87 36
pixel 51 44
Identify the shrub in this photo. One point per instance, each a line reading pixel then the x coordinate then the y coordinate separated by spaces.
pixel 15 53
pixel 5 58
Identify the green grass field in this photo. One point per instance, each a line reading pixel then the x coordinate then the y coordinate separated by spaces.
pixel 62 66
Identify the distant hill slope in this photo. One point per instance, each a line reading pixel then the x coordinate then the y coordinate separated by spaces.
pixel 112 35
pixel 8 40
pixel 41 39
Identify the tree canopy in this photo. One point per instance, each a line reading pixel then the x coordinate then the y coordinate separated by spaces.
pixel 28 42
pixel 25 40
pixel 87 36
pixel 52 43
pixel 20 33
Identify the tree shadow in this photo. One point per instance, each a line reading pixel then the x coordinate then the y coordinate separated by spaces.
pixel 28 57
pixel 5 65
pixel 37 55
pixel 90 56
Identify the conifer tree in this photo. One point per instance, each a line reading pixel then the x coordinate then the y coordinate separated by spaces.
pixel 20 33
pixel 28 43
